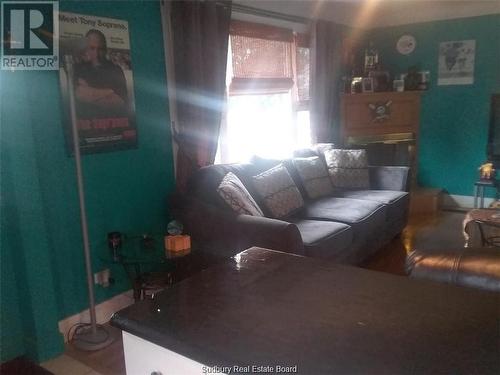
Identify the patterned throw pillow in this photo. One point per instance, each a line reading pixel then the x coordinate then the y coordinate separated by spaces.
pixel 278 191
pixel 348 168
pixel 314 176
pixel 234 193
pixel 321 148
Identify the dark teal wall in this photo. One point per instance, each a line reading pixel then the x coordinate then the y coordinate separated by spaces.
pixel 43 276
pixel 454 119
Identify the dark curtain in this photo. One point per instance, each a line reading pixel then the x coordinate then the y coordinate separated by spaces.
pixel 200 33
pixel 326 57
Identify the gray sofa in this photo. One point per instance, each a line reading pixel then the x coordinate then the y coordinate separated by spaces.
pixel 348 227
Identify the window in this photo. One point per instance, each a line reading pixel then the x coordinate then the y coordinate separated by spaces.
pixel 268 93
pixel 302 69
pixel 302 58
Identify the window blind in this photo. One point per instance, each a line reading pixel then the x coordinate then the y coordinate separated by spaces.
pixel 261 58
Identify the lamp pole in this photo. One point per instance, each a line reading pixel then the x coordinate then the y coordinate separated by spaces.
pixel 88 336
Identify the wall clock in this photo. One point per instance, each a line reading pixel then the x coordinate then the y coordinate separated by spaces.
pixel 406 44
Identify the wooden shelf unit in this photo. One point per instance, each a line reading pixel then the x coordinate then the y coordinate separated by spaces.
pixel 359 125
pixel 357 119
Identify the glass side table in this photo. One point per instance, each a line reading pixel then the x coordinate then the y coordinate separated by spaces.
pixel 479 187
pixel 147 264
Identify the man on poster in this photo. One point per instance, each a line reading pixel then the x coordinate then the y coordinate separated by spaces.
pixel 100 86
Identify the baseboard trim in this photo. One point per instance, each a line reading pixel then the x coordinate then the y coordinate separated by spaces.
pixel 103 312
pixel 452 201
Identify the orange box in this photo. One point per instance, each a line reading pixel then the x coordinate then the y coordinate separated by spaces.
pixel 177 243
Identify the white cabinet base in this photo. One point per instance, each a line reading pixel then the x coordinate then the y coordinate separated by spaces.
pixel 145 358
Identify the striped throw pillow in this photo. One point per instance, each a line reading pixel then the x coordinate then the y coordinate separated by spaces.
pixel 234 193
pixel 279 193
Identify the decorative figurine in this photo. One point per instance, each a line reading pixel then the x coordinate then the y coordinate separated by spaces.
pixel 486 171
pixel 371 58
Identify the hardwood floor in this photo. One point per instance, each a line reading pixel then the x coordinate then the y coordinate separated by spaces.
pixel 108 361
pixel 430 232
pixel 392 258
pixel 22 366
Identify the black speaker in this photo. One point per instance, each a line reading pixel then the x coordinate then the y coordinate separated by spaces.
pixel 494 132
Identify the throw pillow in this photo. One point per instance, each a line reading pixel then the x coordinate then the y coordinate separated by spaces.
pixel 314 175
pixel 234 193
pixel 316 150
pixel 321 148
pixel 278 191
pixel 348 168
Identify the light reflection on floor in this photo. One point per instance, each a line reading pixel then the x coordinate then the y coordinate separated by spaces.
pixel 427 232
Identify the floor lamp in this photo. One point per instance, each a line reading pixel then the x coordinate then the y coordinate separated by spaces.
pixel 87 336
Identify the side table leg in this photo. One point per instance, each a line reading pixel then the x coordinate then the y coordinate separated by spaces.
pixel 476 193
pixel 137 286
pixel 482 196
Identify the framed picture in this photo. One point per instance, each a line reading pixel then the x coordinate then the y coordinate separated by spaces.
pixel 367 84
pixel 398 85
pixel 424 79
pixel 456 62
pixel 381 80
pixel 356 85
pixel 104 102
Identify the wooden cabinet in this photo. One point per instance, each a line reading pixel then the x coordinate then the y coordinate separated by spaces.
pixel 383 118
pixel 378 114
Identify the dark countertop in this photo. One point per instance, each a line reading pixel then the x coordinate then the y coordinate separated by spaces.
pixel 270 308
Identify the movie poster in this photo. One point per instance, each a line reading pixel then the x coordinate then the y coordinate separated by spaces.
pixel 456 62
pixel 103 82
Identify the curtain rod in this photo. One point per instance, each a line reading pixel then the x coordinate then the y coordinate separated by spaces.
pixel 260 12
pixel 267 13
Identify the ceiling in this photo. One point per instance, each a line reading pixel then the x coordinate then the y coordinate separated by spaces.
pixel 376 13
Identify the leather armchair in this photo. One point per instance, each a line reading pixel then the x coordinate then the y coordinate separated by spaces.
pixel 471 267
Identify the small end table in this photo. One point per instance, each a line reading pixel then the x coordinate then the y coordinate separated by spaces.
pixel 146 251
pixel 150 268
pixel 479 187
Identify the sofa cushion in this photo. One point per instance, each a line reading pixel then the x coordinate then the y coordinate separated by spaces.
pixel 365 217
pixel 348 168
pixel 324 239
pixel 314 175
pixel 233 192
pixel 397 201
pixel 345 210
pixel 278 191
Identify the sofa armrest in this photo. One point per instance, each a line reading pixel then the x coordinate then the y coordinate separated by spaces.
pixel 227 234
pixel 269 233
pixel 389 178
